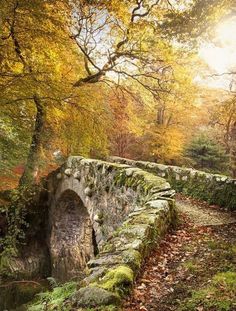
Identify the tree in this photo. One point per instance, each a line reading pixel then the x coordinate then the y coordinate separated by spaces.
pixel 181 23
pixel 52 50
pixel 206 154
pixel 223 116
pixel 233 150
pixel 34 64
pixel 33 67
pixel 127 109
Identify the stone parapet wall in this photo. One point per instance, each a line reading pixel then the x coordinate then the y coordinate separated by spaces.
pixel 112 273
pixel 213 188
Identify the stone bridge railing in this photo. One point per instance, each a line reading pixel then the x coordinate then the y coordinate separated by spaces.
pixel 213 188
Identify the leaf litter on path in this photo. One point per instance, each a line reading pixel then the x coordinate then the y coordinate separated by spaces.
pixel 185 260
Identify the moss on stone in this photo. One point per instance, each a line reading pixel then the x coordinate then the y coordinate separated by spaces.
pixel 118 280
pixel 144 218
pixel 133 259
pixel 93 296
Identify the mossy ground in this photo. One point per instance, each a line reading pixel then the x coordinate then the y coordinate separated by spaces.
pixel 55 299
pixel 194 269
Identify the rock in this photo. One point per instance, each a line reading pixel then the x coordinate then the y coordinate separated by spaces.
pixel 89 297
pixel 98 218
pixel 132 258
pixel 163 194
pixel 77 175
pixel 68 172
pixel 95 273
pixel 108 260
pixel 224 178
pixel 177 177
pixel 158 204
pixel 88 192
pixel 161 167
pixel 59 176
pixel 129 172
pixel 72 160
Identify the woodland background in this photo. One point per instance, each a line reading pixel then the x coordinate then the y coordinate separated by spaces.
pixel 95 78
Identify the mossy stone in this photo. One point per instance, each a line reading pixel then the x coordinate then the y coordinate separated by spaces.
pixel 92 296
pixel 118 280
pixel 132 258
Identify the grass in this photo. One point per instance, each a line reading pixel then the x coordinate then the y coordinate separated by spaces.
pixel 191 266
pixel 213 245
pixel 220 295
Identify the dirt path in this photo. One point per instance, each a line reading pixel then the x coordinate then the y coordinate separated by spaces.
pixel 202 215
pixel 194 268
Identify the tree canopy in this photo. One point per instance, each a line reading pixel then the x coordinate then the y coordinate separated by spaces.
pixel 101 77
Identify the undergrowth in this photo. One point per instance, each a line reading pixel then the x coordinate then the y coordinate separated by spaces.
pixel 220 295
pixel 55 299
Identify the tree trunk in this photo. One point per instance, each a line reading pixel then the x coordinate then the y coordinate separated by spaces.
pixel 160 115
pixel 233 150
pixel 30 172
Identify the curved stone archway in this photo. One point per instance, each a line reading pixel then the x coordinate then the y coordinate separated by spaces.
pixel 71 238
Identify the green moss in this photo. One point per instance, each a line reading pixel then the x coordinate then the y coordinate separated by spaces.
pixel 108 248
pixel 54 300
pixel 5 260
pixel 143 218
pixel 118 280
pixel 120 178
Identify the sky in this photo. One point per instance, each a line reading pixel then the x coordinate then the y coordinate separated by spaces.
pixel 220 54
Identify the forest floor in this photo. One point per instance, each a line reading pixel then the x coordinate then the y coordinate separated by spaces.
pixel 194 267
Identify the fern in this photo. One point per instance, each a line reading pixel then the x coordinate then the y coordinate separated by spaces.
pixel 53 300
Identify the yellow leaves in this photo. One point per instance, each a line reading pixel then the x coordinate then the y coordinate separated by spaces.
pixel 79 125
pixel 166 143
pixel 17 67
pixel 120 9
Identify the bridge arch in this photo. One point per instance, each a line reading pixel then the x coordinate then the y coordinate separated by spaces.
pixel 72 241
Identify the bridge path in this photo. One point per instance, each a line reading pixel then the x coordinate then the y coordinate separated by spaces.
pixel 202 215
pixel 202 245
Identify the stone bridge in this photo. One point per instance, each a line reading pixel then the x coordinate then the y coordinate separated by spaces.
pixel 97 220
pixel 88 200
